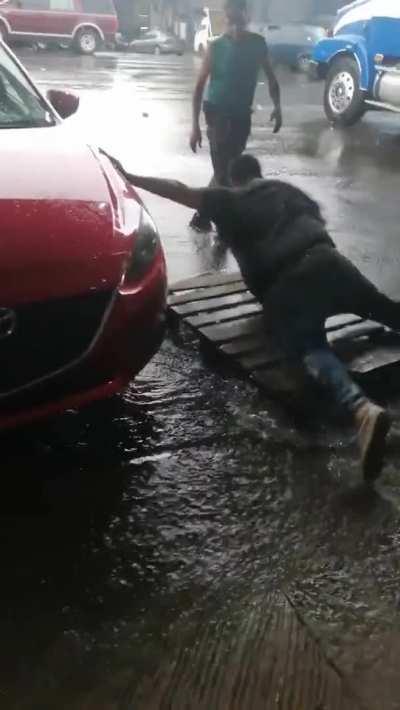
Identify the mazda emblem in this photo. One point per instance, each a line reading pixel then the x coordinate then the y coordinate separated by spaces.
pixel 8 322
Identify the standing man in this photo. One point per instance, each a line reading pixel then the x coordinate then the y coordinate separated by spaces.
pixel 231 67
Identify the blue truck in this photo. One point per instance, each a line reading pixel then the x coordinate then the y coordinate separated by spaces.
pixel 360 61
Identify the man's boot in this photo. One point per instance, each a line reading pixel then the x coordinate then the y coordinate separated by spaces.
pixel 373 425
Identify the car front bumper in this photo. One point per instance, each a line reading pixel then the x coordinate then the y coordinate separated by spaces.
pixel 130 336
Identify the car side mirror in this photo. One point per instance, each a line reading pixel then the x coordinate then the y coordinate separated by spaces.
pixel 63 102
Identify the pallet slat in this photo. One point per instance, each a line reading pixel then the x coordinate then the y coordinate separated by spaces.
pixel 209 305
pixel 352 332
pixel 267 355
pixel 226 314
pixel 379 357
pixel 229 331
pixel 337 322
pixel 206 280
pixel 235 330
pixel 205 293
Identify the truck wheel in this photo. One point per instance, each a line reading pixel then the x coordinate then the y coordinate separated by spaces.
pixel 87 41
pixel 343 99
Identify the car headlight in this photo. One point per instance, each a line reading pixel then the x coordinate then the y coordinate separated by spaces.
pixel 145 248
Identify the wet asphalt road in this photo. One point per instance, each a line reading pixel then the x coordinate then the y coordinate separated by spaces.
pixel 191 490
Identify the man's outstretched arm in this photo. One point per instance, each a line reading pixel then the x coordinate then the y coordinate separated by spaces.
pixel 170 189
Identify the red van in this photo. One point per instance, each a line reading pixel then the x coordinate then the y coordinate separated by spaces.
pixel 83 24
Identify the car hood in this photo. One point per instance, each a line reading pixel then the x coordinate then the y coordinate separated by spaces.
pixel 67 219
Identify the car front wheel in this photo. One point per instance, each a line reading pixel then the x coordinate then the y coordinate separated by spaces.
pixel 343 98
pixel 87 41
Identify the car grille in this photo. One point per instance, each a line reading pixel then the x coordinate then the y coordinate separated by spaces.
pixel 49 336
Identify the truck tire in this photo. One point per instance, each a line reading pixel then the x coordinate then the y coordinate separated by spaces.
pixel 87 41
pixel 344 101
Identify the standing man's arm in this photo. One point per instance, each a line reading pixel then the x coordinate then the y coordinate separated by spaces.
pixel 274 92
pixel 195 136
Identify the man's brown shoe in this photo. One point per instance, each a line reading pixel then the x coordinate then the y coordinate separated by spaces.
pixel 373 426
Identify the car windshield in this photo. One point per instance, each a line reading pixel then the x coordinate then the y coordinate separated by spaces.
pixel 20 105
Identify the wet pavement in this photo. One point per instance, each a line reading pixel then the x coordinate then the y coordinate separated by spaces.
pixel 191 492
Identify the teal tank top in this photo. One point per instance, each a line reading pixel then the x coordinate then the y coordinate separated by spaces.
pixel 235 65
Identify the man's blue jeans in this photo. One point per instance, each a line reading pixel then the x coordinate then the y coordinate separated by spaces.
pixel 322 284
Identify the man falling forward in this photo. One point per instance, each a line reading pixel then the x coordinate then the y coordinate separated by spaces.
pixel 291 265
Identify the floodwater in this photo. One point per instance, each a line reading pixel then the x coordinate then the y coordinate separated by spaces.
pixel 192 490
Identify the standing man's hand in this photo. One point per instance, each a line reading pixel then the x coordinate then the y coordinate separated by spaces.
pixel 195 138
pixel 274 91
pixel 276 119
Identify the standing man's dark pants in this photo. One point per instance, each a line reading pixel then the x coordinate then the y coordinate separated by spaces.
pixel 322 284
pixel 228 136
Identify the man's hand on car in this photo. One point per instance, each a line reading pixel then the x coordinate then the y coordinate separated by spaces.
pixel 116 163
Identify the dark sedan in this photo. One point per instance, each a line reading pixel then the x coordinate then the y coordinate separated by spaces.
pixel 292 44
pixel 157 42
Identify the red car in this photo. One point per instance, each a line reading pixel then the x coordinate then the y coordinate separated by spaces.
pixel 82 24
pixel 82 272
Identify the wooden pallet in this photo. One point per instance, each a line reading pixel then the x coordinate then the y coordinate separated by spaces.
pixel 227 318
